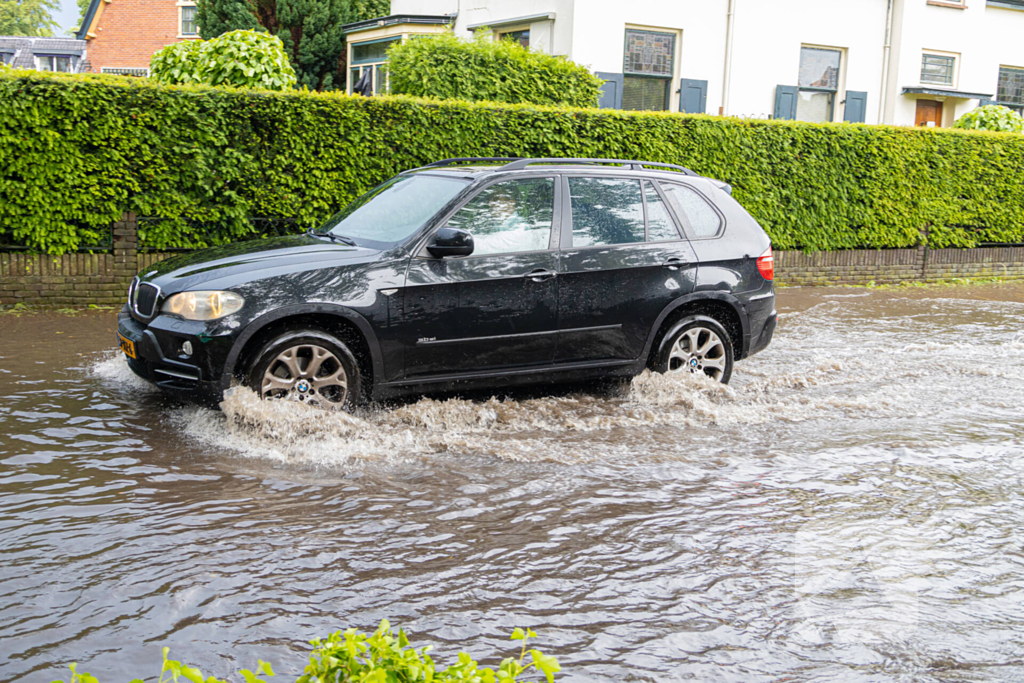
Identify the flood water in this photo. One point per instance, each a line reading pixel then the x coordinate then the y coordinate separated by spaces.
pixel 848 509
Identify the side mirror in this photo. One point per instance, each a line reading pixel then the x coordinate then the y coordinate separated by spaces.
pixel 451 242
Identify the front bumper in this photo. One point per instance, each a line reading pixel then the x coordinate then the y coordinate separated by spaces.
pixel 159 359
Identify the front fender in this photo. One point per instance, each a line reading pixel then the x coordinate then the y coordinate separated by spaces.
pixel 262 321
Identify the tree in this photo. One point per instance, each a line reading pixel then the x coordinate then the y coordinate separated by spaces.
pixel 992 117
pixel 27 17
pixel 241 59
pixel 311 30
pixel 216 17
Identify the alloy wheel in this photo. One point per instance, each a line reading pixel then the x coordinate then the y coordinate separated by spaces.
pixel 306 373
pixel 698 350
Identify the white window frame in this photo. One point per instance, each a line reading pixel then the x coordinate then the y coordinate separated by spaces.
pixel 940 53
pixel 72 58
pixel 677 58
pixel 182 5
pixel 838 108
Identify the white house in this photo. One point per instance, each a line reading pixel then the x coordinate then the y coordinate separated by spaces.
pixel 903 62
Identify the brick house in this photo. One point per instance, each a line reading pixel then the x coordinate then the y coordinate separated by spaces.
pixel 123 34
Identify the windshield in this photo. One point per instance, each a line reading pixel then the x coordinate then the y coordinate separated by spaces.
pixel 395 210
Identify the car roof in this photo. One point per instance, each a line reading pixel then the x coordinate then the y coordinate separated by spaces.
pixel 472 168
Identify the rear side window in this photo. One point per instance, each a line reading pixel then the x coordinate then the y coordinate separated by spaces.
pixel 660 226
pixel 606 211
pixel 509 217
pixel 693 208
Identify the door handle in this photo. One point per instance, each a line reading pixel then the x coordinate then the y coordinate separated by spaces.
pixel 540 275
pixel 674 263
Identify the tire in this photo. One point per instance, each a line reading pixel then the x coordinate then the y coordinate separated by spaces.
pixel 714 353
pixel 308 366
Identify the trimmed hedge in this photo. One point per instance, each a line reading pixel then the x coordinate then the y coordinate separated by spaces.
pixel 447 68
pixel 78 150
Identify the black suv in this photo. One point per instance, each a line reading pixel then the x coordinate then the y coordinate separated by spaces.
pixel 468 273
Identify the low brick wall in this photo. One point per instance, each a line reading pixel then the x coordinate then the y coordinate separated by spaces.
pixel 890 266
pixel 82 279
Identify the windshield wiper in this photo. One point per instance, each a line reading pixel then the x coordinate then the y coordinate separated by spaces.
pixel 334 238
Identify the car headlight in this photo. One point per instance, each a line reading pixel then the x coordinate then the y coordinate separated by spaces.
pixel 203 305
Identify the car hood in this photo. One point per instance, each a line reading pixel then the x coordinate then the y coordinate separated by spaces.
pixel 244 262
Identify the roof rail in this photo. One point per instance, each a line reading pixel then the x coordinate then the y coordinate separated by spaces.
pixel 463 160
pixel 633 164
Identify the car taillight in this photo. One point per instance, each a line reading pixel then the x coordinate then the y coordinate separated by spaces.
pixel 766 265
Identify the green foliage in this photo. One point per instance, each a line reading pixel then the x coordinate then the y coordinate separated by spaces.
pixel 360 10
pixel 992 117
pixel 216 17
pixel 312 34
pixel 83 7
pixel 386 657
pixel 78 150
pixel 241 59
pixel 483 69
pixel 310 30
pixel 28 17
pixel 177 63
pixel 383 657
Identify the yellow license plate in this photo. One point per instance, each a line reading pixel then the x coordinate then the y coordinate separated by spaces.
pixel 127 345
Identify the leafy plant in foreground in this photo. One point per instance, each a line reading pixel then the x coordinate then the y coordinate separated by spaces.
pixel 382 657
pixel 242 59
pixel 992 117
pixel 387 657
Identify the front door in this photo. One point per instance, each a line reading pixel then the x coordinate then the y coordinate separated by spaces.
pixel 497 308
pixel 623 261
pixel 929 113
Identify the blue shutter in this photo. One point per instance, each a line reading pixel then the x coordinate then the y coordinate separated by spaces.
pixel 983 103
pixel 611 91
pixel 693 96
pixel 785 101
pixel 856 106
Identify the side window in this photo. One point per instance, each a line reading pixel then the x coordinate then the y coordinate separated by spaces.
pixel 703 219
pixel 660 226
pixel 509 217
pixel 606 211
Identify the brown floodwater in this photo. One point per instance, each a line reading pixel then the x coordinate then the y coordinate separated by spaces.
pixel 849 508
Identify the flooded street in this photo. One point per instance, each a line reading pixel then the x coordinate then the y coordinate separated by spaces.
pixel 849 508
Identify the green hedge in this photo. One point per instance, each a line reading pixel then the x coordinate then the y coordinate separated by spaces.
pixel 447 68
pixel 76 151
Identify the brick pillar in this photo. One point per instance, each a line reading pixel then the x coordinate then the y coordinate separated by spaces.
pixel 126 251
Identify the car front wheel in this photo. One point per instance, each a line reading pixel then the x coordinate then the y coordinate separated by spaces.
pixel 697 344
pixel 307 366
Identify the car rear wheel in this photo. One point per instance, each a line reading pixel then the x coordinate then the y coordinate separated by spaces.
pixel 698 345
pixel 307 366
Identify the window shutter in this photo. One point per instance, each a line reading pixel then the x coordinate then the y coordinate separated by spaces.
pixel 693 96
pixel 611 91
pixel 785 101
pixel 984 103
pixel 856 106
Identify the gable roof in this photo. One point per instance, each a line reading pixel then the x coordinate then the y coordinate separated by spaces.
pixel 91 14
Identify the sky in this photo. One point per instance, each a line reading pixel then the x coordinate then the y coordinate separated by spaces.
pixel 67 17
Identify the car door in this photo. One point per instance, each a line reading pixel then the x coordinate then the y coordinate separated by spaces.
pixel 496 309
pixel 623 261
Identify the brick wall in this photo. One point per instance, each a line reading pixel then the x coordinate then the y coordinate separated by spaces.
pixel 889 266
pixel 72 279
pixel 82 279
pixel 130 31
